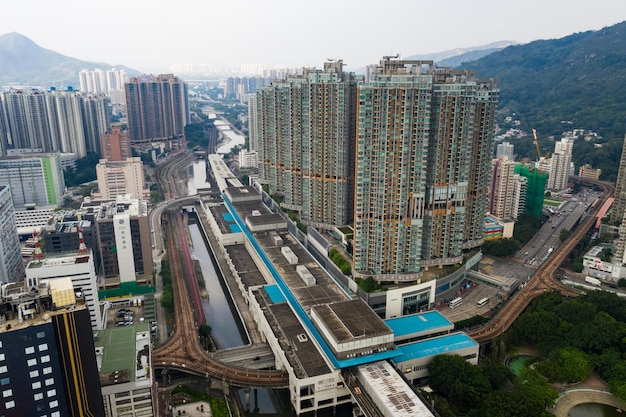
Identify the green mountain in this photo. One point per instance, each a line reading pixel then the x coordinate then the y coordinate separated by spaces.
pixel 578 81
pixel 23 62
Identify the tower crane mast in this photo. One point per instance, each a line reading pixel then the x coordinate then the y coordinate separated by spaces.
pixel 536 142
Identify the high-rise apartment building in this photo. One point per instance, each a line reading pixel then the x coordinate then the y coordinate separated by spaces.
pixel 26 120
pixel 35 177
pixel 64 121
pixel 252 123
pixel 11 267
pixel 99 81
pixel 424 147
pixel 520 188
pixel 115 144
pixel 120 178
pixel 95 121
pixel 619 205
pixel 306 138
pixel 504 149
pixel 560 165
pixel 501 189
pixel 157 110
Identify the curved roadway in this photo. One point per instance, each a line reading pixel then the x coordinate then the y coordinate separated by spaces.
pixel 542 281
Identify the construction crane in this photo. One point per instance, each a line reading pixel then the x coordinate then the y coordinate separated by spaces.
pixel 536 142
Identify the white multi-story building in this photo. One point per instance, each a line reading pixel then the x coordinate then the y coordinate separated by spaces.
pixel 120 178
pixel 248 159
pixel 560 165
pixel 99 81
pixel 504 149
pixel 78 266
pixel 29 221
pixel 11 267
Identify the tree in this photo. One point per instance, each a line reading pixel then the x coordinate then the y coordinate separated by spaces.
pixel 459 381
pixel 621 283
pixel 565 365
pixel 564 234
pixel 85 170
pixel 501 247
pixel 167 299
pixel 368 285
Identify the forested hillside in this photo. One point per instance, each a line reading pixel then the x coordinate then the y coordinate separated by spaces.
pixel 580 78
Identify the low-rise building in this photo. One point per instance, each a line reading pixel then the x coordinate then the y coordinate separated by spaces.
pixel 124 357
pixel 78 266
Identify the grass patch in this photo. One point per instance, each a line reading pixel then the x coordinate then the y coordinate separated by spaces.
pixel 219 408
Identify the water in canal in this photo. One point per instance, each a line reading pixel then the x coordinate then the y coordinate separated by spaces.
pixel 197 177
pixel 218 309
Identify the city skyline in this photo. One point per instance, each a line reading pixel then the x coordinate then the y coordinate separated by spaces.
pixel 266 33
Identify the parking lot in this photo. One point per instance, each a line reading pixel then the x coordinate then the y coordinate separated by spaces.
pixel 126 314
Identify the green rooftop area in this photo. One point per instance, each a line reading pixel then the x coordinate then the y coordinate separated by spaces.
pixel 553 202
pixel 118 357
pixel 126 290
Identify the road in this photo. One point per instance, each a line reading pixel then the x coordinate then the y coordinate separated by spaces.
pixel 542 281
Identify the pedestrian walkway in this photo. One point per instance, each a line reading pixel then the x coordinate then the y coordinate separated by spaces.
pixel 592 390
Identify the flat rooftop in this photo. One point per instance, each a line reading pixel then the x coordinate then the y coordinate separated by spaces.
pixel 245 266
pixel 419 324
pixel 301 352
pixel 223 218
pixel 117 350
pixel 394 393
pixel 326 289
pixel 351 319
pixel 435 346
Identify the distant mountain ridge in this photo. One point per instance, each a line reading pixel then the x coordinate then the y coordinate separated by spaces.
pixel 454 57
pixel 579 79
pixel 457 56
pixel 23 62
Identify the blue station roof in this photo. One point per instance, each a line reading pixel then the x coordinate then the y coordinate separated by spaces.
pixel 436 346
pixel 418 323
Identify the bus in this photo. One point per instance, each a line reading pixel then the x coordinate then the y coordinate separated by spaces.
pixel 482 302
pixel 456 302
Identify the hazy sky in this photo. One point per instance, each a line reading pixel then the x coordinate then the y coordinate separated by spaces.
pixel 151 35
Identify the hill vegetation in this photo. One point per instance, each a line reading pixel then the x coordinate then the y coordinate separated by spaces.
pixel 579 79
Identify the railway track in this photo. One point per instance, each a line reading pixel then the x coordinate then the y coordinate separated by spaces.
pixel 183 351
pixel 543 280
